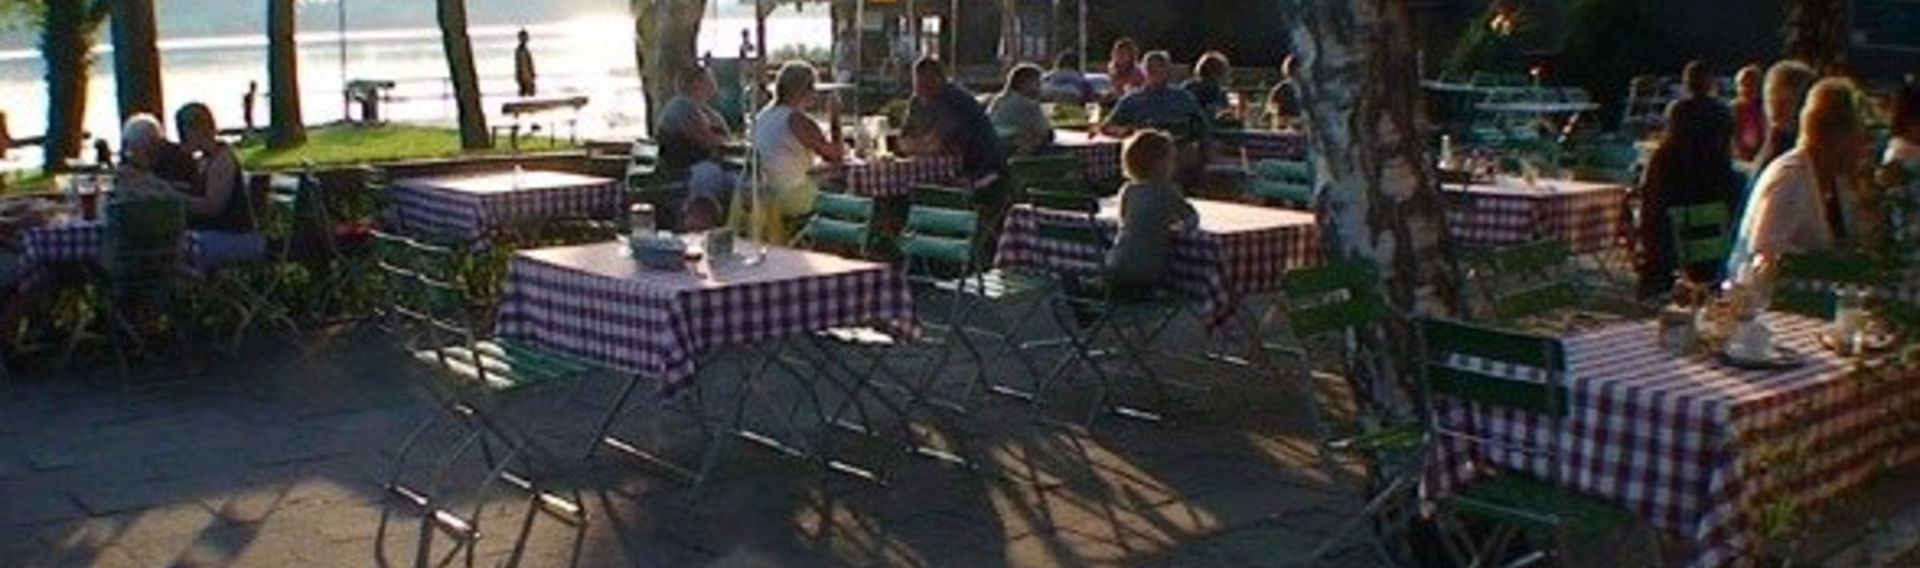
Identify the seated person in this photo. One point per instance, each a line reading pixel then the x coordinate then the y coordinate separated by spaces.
pixel 1152 211
pixel 1209 83
pixel 221 212
pixel 692 136
pixel 1159 106
pixel 1283 102
pixel 1123 68
pixel 785 141
pixel 1904 148
pixel 1806 200
pixel 1066 84
pixel 945 119
pixel 143 143
pixel 1017 113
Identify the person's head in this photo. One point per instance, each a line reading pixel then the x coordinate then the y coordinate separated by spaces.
pixel 1906 112
pixel 929 76
pixel 140 141
pixel 1023 79
pixel 696 83
pixel 1149 155
pixel 1830 127
pixel 194 121
pixel 1288 67
pixel 1065 60
pixel 1697 78
pixel 1125 50
pixel 1159 67
pixel 524 37
pixel 253 86
pixel 1787 83
pixel 794 85
pixel 1746 83
pixel 1212 67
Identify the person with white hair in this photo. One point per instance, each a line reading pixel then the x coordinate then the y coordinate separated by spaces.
pixel 785 143
pixel 143 143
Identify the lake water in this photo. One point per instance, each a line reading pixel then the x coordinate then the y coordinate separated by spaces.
pixel 589 55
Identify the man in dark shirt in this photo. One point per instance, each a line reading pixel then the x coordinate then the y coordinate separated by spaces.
pixel 946 119
pixel 1159 105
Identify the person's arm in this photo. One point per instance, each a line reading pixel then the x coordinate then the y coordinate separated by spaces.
pixel 1038 129
pixel 810 136
pixel 1121 122
pixel 701 132
pixel 220 176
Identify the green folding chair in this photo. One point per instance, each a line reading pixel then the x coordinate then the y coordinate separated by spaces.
pixel 1701 235
pixel 250 287
pixel 1327 310
pixel 476 444
pixel 139 277
pixel 1525 281
pixel 1056 172
pixel 1285 182
pixel 1805 282
pixel 1457 365
pixel 841 223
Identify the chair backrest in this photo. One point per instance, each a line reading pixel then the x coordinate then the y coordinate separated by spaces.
pixel 1332 298
pixel 1530 279
pixel 1805 280
pixel 939 242
pixel 142 241
pixel 1495 368
pixel 840 221
pixel 1027 171
pixel 420 297
pixel 1700 234
pixel 1288 181
pixel 1066 202
pixel 946 197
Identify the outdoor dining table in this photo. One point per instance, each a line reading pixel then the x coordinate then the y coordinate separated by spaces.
pixel 77 242
pixel 892 176
pixel 1244 146
pixel 1695 447
pixel 1237 251
pixel 1588 216
pixel 1099 154
pixel 471 206
pixel 1538 107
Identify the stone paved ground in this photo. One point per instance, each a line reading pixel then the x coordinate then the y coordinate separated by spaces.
pixel 274 460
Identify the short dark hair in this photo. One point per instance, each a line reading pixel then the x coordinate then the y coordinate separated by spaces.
pixel 930 67
pixel 1906 107
pixel 192 117
pixel 692 75
pixel 1212 66
pixel 1065 59
pixel 1697 77
pixel 1023 76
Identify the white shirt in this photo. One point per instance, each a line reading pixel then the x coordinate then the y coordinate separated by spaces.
pixel 1784 213
pixel 785 163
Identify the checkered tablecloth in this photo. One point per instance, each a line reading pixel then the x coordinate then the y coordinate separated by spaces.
pixel 1246 146
pixel 1237 251
pixel 1099 155
pixel 595 302
pixel 471 206
pixel 1588 216
pixel 892 177
pixel 80 242
pixel 1694 446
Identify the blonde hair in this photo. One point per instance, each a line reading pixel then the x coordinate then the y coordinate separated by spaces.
pixel 795 78
pixel 1832 113
pixel 1147 156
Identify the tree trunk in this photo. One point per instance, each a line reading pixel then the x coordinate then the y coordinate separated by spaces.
pixel 66 38
pixel 1377 196
pixel 288 129
pixel 1010 33
pixel 136 58
pixel 466 82
pixel 664 35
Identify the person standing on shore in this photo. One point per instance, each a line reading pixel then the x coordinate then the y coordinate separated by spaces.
pixel 523 73
pixel 246 105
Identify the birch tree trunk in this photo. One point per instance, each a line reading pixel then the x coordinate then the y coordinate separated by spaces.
pixel 67 33
pixel 466 82
pixel 288 128
pixel 136 58
pixel 664 36
pixel 1376 195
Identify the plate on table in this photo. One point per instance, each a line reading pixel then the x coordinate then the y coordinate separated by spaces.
pixel 1781 358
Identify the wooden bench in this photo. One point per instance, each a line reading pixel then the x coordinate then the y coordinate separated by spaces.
pixel 523 109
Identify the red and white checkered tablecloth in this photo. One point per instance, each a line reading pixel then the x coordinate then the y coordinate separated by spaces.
pixel 891 177
pixel 1588 216
pixel 1693 446
pixel 1239 250
pixel 1099 155
pixel 1247 146
pixel 471 206
pixel 597 303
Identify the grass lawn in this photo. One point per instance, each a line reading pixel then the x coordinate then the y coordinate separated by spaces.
pixel 338 145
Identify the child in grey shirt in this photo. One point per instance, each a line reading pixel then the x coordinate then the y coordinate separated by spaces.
pixel 1152 211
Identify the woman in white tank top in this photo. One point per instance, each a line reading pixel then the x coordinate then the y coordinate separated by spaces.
pixel 785 142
